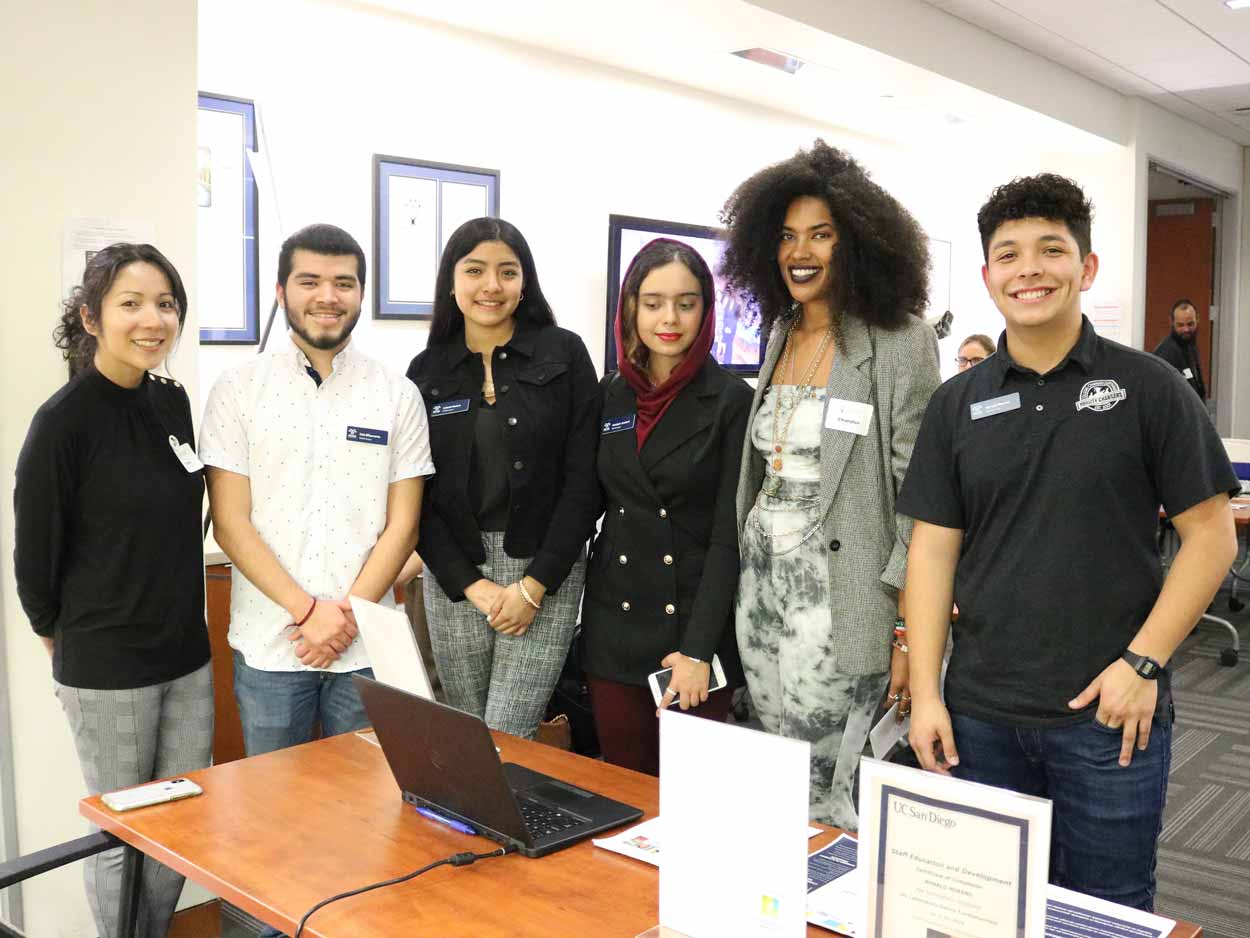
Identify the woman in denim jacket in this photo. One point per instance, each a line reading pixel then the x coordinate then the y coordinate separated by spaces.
pixel 513 403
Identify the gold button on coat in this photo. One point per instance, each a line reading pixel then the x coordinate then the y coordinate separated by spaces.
pixel 668 560
pixel 625 605
pixel 623 559
pixel 670 609
pixel 663 512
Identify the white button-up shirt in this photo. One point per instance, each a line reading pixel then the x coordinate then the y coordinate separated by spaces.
pixel 319 460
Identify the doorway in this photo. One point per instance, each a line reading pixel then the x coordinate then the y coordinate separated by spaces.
pixel 1183 262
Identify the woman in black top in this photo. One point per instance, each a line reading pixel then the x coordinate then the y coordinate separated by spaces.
pixel 664 570
pixel 109 556
pixel 514 407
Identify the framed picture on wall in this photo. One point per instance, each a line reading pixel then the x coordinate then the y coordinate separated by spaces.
pixel 737 344
pixel 416 207
pixel 228 302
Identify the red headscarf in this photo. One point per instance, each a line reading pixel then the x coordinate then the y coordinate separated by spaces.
pixel 654 401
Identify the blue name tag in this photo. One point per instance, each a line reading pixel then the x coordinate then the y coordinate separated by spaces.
pixel 366 435
pixel 617 424
pixel 995 405
pixel 450 407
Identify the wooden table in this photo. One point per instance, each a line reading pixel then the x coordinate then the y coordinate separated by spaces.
pixel 277 833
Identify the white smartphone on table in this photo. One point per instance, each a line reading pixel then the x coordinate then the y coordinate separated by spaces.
pixel 659 681
pixel 170 789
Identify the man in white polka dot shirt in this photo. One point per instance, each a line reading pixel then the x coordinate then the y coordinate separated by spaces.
pixel 316 460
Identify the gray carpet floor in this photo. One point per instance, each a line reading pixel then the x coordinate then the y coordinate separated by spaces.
pixel 1204 850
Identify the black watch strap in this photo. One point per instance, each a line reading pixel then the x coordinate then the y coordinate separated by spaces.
pixel 1145 666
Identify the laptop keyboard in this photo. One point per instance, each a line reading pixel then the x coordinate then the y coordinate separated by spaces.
pixel 542 821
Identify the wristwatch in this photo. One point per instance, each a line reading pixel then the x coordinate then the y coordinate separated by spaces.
pixel 1145 666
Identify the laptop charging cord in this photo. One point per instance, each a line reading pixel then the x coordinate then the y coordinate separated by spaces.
pixel 456 859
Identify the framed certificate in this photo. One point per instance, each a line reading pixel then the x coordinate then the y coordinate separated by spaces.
pixel 945 858
pixel 416 207
pixel 227 300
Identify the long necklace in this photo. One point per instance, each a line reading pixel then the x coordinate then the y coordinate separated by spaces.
pixel 804 389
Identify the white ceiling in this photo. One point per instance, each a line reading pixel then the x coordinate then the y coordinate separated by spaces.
pixel 1191 57
pixel 688 42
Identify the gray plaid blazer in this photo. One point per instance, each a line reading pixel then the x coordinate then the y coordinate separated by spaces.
pixel 895 371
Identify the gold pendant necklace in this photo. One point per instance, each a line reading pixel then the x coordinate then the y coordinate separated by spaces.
pixel 803 391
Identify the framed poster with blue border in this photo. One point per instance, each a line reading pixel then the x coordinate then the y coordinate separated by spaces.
pixel 416 206
pixel 227 222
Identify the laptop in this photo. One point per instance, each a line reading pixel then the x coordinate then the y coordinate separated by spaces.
pixel 445 760
pixel 393 652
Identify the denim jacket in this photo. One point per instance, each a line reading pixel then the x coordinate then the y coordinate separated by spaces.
pixel 548 396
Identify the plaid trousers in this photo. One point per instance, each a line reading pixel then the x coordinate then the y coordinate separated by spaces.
pixel 506 680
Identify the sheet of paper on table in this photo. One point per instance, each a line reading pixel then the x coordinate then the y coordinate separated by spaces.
pixel 835 887
pixel 642 841
pixel 836 898
pixel 888 731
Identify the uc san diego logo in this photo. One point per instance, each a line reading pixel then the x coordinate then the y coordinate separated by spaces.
pixel 1100 394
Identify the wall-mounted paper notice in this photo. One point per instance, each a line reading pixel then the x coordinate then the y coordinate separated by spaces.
pixel 81 238
pixel 1108 320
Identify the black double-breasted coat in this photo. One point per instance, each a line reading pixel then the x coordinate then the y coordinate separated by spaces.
pixel 664 569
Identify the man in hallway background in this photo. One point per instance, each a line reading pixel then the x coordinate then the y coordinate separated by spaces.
pixel 1180 348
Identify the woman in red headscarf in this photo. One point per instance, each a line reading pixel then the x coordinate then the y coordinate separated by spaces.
pixel 664 572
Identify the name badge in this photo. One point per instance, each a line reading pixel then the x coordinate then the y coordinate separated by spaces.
pixel 366 435
pixel 450 407
pixel 186 455
pixel 617 424
pixel 1188 373
pixel 848 416
pixel 995 405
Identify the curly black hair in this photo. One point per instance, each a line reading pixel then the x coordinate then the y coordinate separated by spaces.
pixel 1046 195
pixel 881 262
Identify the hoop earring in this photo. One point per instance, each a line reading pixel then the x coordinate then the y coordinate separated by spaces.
pixel 521 297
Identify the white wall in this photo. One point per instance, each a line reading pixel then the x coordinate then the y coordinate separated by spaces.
pixel 951 47
pixel 99 121
pixel 574 142
pixel 924 35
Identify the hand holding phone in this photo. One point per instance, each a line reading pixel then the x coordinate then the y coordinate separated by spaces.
pixel 155 793
pixel 660 680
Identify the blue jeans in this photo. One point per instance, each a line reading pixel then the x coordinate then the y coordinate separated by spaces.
pixel 1107 818
pixel 280 708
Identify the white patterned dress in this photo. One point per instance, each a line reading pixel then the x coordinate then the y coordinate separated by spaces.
pixel 786 631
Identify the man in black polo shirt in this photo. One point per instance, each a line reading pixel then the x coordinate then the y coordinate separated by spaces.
pixel 1035 483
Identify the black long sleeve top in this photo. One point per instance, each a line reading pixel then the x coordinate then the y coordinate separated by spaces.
pixel 108 550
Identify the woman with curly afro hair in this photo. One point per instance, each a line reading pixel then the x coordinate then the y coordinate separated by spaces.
pixel 838 270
